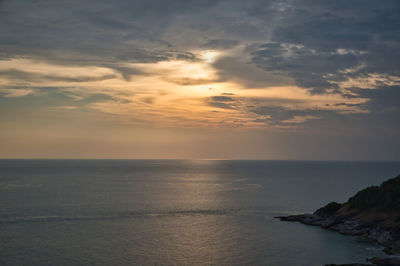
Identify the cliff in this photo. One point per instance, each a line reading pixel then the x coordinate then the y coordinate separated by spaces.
pixel 373 213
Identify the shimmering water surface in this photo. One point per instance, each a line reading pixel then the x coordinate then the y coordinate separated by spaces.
pixel 148 212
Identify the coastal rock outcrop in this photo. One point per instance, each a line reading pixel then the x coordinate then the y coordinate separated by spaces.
pixel 373 213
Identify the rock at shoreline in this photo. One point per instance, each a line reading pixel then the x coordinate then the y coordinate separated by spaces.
pixel 373 213
pixel 378 261
pixel 351 264
pixel 387 260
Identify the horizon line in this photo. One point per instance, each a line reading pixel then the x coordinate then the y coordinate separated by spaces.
pixel 202 159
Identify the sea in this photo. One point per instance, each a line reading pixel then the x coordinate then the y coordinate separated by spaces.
pixel 177 212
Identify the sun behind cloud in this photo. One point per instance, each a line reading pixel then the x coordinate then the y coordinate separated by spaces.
pixel 194 93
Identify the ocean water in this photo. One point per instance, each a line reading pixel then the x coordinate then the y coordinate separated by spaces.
pixel 172 212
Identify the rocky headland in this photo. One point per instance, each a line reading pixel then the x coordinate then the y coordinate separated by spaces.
pixel 373 213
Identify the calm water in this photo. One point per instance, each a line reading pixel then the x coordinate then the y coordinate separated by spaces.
pixel 121 212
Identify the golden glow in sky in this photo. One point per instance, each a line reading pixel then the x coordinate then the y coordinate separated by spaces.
pixel 199 79
pixel 176 93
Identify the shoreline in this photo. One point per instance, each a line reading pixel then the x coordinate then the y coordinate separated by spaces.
pixel 389 239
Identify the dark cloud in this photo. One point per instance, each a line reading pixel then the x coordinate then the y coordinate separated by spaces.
pixel 223 101
pixel 221 44
pixel 385 99
pixel 222 98
pixel 128 72
pixel 221 105
pixel 314 41
pixel 346 104
pixel 92 98
pixel 311 43
pixel 309 68
pixel 91 32
pixel 235 68
pixel 186 56
pixel 148 100
pixel 276 115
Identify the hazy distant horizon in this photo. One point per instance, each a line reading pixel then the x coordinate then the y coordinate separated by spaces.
pixel 194 159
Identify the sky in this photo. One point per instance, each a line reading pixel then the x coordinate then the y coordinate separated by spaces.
pixel 200 79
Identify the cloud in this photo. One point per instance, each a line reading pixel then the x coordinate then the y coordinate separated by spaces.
pixel 224 102
pixel 221 44
pixel 128 72
pixel 15 74
pixel 237 69
pixel 382 100
pixel 222 99
pixel 278 116
pixel 65 107
pixel 189 81
pixel 11 93
pixel 299 119
pixel 314 41
pixel 310 69
pixel 285 62
pixel 128 31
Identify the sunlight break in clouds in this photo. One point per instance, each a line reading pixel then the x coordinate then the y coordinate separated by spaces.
pixel 248 79
pixel 170 93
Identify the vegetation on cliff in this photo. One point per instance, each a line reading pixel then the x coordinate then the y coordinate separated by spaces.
pixel 384 198
pixel 373 213
pixel 370 203
pixel 329 209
